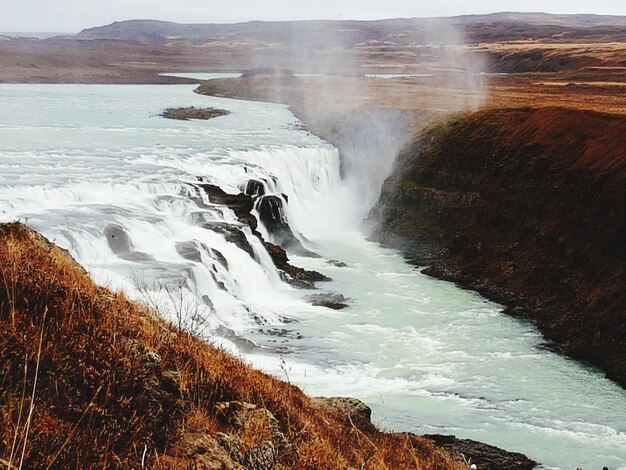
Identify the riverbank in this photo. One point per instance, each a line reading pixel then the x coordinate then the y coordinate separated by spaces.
pixel 89 378
pixel 526 207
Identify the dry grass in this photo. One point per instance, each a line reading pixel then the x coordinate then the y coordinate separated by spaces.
pixel 91 380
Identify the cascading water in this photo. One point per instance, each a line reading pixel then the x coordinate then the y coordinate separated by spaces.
pixel 96 170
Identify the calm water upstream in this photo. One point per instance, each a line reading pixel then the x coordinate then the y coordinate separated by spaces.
pixel 81 162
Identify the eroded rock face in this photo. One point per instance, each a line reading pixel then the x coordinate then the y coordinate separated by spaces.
pixel 241 204
pixel 270 210
pixel 526 207
pixel 189 250
pixel 254 188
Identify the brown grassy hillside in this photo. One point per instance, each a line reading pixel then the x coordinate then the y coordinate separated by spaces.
pixel 91 380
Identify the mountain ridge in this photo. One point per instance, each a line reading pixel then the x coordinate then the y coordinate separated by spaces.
pixel 155 31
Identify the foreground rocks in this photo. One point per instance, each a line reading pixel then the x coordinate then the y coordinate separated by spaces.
pixel 484 456
pixel 351 411
pixel 355 413
pixel 528 208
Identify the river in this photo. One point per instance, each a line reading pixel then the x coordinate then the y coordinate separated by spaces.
pixel 86 164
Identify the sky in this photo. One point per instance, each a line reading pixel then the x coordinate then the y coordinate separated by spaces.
pixel 74 15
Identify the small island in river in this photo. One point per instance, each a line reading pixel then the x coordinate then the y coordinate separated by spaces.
pixel 191 112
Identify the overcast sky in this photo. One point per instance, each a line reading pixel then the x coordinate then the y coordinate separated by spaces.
pixel 74 15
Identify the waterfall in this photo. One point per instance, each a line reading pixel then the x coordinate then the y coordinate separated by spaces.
pixel 164 242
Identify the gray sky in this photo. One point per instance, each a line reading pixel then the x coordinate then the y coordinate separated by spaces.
pixel 74 15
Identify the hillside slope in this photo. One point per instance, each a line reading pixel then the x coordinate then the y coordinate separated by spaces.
pixel 527 206
pixel 91 380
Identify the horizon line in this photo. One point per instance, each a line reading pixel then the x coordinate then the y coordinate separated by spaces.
pixel 342 20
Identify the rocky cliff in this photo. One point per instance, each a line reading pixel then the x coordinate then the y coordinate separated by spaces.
pixel 528 207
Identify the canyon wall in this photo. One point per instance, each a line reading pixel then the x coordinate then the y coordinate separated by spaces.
pixel 526 206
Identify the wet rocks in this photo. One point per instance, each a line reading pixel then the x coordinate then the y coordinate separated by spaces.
pixel 185 114
pixel 244 344
pixel 232 233
pixel 328 300
pixel 272 215
pixel 242 204
pixel 254 188
pixel 337 263
pixel 216 254
pixel 118 239
pixel 189 250
pixel 121 245
pixel 294 275
pixel 238 203
pixel 270 210
pixel 484 456
pixel 351 411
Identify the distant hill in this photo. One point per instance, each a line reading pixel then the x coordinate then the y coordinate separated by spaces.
pixel 477 28
pixel 32 35
pixel 570 21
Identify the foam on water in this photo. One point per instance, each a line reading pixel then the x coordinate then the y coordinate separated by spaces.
pixel 97 170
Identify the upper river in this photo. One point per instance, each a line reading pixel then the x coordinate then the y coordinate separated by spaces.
pixel 83 163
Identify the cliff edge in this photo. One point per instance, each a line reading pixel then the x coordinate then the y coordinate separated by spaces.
pixel 528 207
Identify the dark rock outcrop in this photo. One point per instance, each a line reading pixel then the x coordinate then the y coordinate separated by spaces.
pixel 484 456
pixel 232 233
pixel 296 276
pixel 272 215
pixel 254 188
pixel 328 300
pixel 242 205
pixel 528 208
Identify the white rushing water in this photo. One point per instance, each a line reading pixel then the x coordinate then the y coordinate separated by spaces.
pixel 95 169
